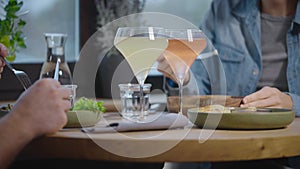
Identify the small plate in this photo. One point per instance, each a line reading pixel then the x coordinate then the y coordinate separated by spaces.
pixel 82 118
pixel 267 118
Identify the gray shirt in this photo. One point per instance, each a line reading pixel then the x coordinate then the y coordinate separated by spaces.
pixel 274 51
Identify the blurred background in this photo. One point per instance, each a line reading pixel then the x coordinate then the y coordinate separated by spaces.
pixel 80 19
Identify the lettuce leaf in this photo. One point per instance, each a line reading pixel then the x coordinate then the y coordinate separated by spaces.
pixel 84 103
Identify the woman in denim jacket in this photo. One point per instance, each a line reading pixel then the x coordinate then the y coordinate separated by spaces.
pixel 259 46
pixel 258 42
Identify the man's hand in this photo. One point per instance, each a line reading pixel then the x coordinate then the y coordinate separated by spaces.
pixel 42 108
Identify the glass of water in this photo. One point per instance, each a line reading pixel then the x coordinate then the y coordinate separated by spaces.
pixel 131 100
pixel 73 88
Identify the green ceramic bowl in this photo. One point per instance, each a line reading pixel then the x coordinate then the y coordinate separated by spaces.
pixel 271 118
pixel 82 118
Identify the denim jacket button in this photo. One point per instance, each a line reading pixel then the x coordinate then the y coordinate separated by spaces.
pixel 255 72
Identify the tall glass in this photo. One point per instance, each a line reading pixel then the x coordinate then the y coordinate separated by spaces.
pixel 184 45
pixel 141 46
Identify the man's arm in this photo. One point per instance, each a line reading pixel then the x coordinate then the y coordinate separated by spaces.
pixel 40 110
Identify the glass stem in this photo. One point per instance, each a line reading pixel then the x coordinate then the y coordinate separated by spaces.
pixel 180 95
pixel 141 102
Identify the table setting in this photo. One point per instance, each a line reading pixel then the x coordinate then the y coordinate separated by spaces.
pixel 139 125
pixel 141 46
pixel 141 128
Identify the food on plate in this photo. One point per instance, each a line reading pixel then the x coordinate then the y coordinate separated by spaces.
pixel 85 112
pixel 217 108
pixel 84 103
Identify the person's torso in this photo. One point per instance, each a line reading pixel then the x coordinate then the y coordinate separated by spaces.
pixel 237 37
pixel 274 51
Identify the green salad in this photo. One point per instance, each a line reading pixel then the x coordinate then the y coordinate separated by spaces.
pixel 84 103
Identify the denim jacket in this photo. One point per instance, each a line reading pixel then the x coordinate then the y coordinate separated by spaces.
pixel 233 26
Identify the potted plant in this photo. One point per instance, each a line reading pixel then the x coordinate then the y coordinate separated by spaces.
pixel 11 25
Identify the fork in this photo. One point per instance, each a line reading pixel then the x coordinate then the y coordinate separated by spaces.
pixel 21 75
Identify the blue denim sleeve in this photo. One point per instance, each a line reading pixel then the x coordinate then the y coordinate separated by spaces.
pixel 209 72
pixel 296 103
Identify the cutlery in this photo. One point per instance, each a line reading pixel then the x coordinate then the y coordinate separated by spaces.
pixel 21 75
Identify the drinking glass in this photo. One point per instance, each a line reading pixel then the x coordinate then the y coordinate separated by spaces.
pixel 141 46
pixel 130 98
pixel 72 97
pixel 184 45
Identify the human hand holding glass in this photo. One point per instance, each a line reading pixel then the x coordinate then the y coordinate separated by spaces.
pixel 141 46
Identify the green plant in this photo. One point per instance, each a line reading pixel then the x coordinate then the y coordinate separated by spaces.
pixel 11 25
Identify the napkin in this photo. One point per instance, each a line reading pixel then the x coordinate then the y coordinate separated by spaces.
pixel 164 121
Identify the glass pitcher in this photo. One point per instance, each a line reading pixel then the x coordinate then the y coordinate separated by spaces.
pixel 56 51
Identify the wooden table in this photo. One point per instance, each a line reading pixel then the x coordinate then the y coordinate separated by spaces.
pixel 178 145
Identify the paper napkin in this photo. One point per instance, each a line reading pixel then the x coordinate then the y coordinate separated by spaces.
pixel 164 121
